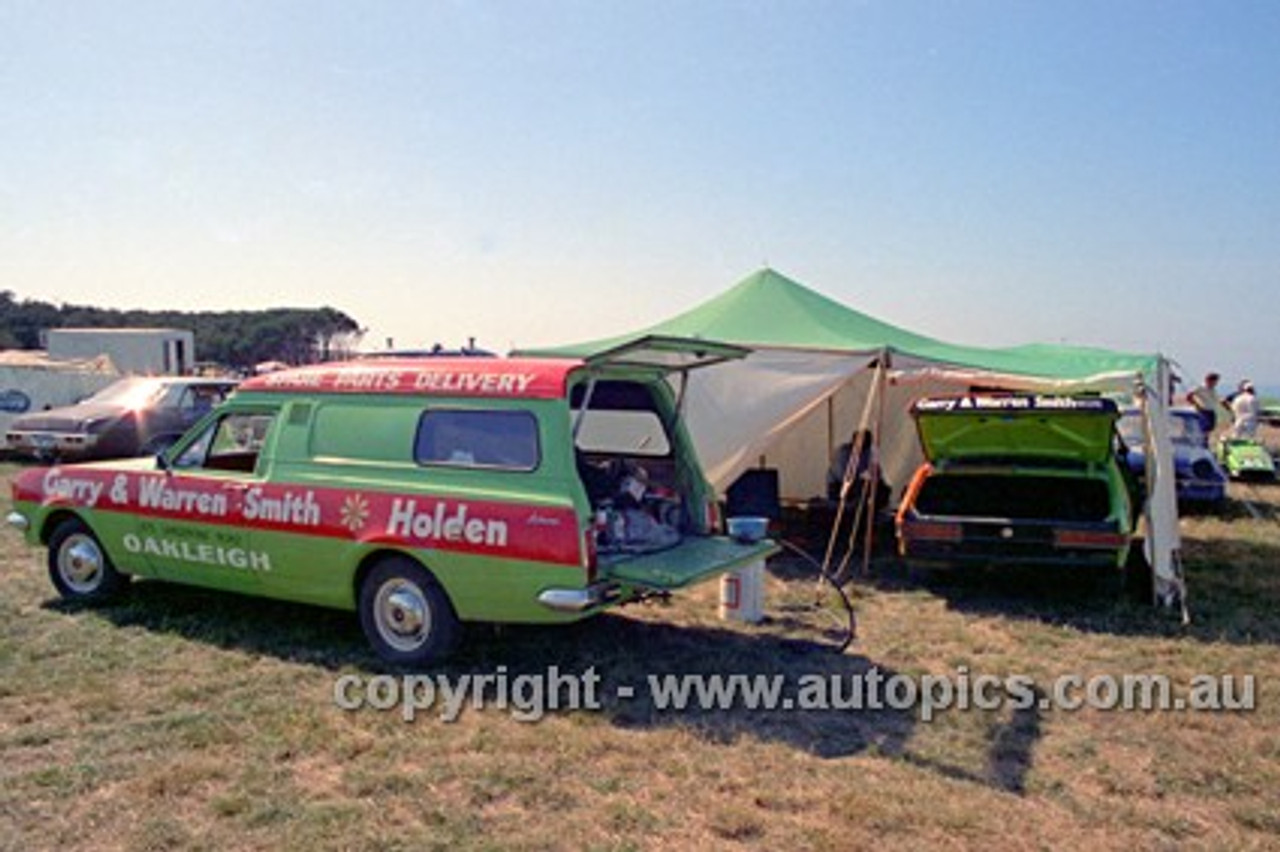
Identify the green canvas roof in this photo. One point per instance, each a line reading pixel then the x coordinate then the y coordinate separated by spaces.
pixel 767 309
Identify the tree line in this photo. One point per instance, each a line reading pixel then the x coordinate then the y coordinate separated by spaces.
pixel 237 339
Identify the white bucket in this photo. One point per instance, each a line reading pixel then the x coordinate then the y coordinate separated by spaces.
pixel 742 594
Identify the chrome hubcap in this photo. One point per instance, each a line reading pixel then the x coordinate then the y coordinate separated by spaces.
pixel 402 614
pixel 80 563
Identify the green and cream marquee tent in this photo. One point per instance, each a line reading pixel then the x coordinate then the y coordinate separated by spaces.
pixel 818 370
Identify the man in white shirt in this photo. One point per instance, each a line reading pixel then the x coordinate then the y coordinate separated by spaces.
pixel 1204 399
pixel 1245 411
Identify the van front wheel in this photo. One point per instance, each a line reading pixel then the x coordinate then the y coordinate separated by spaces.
pixel 80 569
pixel 405 615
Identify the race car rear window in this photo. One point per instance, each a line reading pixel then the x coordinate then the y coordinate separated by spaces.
pixel 506 440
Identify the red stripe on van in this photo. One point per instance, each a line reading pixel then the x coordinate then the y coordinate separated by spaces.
pixel 413 520
pixel 524 378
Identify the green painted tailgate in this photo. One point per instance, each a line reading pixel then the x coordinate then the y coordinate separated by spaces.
pixel 694 559
pixel 977 426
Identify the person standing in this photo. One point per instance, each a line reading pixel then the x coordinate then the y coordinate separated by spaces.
pixel 1245 411
pixel 1204 399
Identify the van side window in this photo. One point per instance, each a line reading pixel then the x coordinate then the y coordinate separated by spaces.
pixel 232 442
pixel 489 439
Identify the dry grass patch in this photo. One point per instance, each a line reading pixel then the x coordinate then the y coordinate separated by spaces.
pixel 182 719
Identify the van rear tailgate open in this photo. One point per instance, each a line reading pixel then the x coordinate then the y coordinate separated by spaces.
pixel 696 558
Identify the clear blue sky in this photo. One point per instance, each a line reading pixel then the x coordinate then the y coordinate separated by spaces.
pixel 533 172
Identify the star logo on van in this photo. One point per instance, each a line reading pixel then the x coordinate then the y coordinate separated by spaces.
pixel 355 512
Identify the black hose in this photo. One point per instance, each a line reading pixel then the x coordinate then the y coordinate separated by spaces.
pixel 851 629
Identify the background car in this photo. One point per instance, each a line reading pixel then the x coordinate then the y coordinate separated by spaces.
pixel 1200 479
pixel 134 416
pixel 1015 478
pixel 1270 414
pixel 1247 460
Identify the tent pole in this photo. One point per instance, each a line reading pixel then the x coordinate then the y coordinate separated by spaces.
pixel 831 430
pixel 873 470
pixel 851 468
pixel 846 482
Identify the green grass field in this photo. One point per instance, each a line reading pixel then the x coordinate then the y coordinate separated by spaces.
pixel 183 719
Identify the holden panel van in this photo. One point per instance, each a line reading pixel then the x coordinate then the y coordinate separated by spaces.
pixel 421 494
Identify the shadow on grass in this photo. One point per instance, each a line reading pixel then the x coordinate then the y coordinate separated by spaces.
pixel 294 632
pixel 1233 581
pixel 631 653
pixel 1233 592
pixel 1010 749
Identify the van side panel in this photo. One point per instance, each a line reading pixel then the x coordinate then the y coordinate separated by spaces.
pixel 481 588
pixel 493 538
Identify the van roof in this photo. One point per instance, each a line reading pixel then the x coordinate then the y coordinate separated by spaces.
pixel 525 378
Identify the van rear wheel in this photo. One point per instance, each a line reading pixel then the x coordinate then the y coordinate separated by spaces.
pixel 406 616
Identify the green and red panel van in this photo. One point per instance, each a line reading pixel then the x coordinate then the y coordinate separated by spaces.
pixel 421 493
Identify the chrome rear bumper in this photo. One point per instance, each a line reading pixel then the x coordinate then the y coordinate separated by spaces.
pixel 579 600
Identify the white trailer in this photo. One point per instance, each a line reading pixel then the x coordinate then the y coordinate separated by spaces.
pixel 151 351
pixel 30 381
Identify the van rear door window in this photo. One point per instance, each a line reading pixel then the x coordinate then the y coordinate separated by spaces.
pixel 621 418
pixel 505 440
pixel 634 433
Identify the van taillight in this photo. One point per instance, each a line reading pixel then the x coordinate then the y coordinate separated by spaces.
pixel 1088 538
pixel 933 531
pixel 590 556
pixel 713 517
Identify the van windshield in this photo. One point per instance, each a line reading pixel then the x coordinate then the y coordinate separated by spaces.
pixel 134 392
pixel 1184 429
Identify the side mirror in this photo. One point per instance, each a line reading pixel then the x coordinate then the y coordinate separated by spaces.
pixel 163 463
